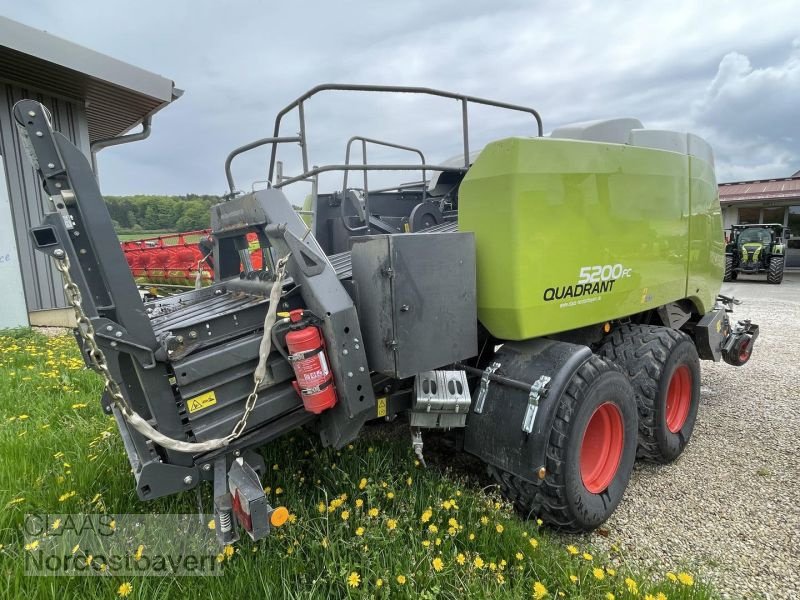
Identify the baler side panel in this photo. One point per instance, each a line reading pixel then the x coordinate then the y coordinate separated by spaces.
pixel 544 209
pixel 707 243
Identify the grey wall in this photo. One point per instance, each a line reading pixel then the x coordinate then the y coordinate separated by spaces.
pixel 41 282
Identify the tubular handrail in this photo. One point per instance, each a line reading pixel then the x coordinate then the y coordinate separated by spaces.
pixel 463 98
pixel 237 151
pixel 364 141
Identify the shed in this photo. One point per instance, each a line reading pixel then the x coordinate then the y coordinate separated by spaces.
pixel 94 100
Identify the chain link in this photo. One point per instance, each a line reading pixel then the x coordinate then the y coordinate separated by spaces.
pixel 98 358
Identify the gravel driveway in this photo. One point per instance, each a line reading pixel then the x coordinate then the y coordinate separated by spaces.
pixel 729 507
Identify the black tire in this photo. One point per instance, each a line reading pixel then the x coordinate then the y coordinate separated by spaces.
pixel 652 356
pixel 561 499
pixel 775 272
pixel 729 274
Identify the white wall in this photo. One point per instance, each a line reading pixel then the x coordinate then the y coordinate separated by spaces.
pixel 14 313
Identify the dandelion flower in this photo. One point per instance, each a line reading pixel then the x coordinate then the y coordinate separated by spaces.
pixel 573 578
pixel 671 576
pixel 321 507
pixel 401 579
pixel 685 578
pixel 359 503
pixel 362 484
pixel 632 586
pixel 379 582
pixel 75 549
pixel 478 562
pixel 587 556
pixel 572 550
pixel 661 596
pixel 471 536
pixel 228 551
pixel 426 543
pixel 438 564
pixel 373 512
pixel 353 580
pixel 484 520
pixel 539 591
pixel 426 516
pixel 433 528
pixel 610 596
pixel 345 515
pixel 499 528
pixel 611 571
pixel 67 496
pixel 124 589
pixel 56 524
pixel 360 531
pixel 534 542
pixel 461 559
pixel 409 481
pixel 30 547
pixel 501 579
pixel 599 574
pixel 391 524
pixel 519 556
pixel 212 524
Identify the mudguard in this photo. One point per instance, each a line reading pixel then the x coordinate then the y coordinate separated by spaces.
pixel 494 432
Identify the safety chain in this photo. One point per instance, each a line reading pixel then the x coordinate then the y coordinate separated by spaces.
pixel 100 364
pixel 87 333
pixel 258 375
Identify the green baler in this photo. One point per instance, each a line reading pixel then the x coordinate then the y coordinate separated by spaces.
pixel 546 301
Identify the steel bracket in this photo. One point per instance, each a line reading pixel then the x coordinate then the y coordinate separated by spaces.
pixel 484 389
pixel 538 391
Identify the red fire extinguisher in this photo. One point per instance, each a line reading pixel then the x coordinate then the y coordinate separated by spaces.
pixel 310 363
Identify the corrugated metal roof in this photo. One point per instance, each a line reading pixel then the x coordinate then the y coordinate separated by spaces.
pixel 759 191
pixel 117 95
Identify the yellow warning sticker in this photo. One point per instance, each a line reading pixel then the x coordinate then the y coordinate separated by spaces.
pixel 381 406
pixel 202 401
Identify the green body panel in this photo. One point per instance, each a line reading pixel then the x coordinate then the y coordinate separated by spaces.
pixel 755 248
pixel 571 233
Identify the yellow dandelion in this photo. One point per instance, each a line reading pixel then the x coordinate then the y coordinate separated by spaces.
pixel 533 542
pixel 587 556
pixel 31 546
pixel 212 524
pixel 354 580
pixel 426 543
pixel 359 503
pixel 484 520
pixel 345 515
pixel 572 550
pixel 379 582
pixel 391 524
pixel 362 484
pixel 373 512
pixel 124 589
pixel 79 405
pixel 278 491
pixel 671 576
pixel 499 528
pixel 539 591
pixel 501 578
pixel 55 524
pixel 401 579
pixel 661 596
pixel 75 549
pixel 461 559
pixel 611 571
pixel 409 481
pixel 447 504
pixel 632 586
pixel 360 531
pixel 599 574
pixel 438 564
pixel 573 578
pixel 139 552
pixel 23 417
pixel 685 578
pixel 471 536
pixel 426 516
pixel 321 507
pixel 610 596
pixel 478 562
pixel 433 528
pixel 519 556
pixel 390 495
pixel 228 551
pixel 16 501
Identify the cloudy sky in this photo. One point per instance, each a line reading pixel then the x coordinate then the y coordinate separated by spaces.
pixel 729 71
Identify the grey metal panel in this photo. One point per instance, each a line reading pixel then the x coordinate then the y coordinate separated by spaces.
pixel 41 282
pixel 416 300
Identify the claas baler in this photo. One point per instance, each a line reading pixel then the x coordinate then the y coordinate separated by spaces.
pixel 547 298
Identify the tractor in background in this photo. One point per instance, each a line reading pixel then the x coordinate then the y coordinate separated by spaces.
pixel 756 249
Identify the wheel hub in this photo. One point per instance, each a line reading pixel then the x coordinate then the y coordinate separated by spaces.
pixel 601 447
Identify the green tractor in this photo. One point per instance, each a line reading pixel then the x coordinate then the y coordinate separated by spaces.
pixel 756 249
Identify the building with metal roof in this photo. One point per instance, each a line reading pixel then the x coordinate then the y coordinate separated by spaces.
pixel 95 100
pixel 765 201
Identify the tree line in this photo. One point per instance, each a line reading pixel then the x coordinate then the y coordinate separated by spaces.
pixel 168 213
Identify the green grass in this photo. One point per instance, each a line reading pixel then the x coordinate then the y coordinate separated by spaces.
pixel 55 440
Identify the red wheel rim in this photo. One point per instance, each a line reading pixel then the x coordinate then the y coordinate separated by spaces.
pixel 679 398
pixel 601 447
